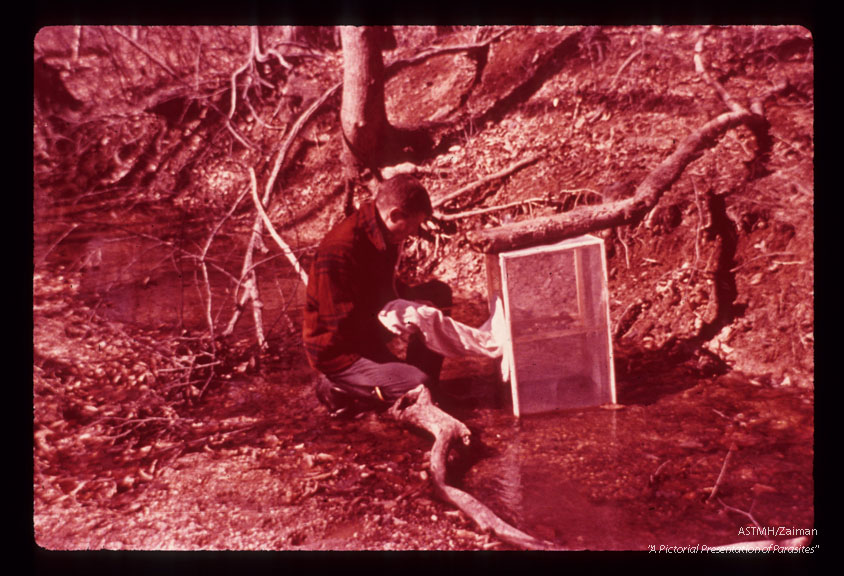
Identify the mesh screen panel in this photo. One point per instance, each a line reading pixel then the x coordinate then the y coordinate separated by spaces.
pixel 556 304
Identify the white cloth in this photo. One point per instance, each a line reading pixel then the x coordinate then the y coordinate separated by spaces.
pixel 446 335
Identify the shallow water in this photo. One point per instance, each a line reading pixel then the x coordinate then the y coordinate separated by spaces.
pixel 644 475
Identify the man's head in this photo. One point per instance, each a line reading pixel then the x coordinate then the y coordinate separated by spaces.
pixel 403 204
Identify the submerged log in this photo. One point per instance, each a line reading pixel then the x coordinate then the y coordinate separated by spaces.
pixel 415 408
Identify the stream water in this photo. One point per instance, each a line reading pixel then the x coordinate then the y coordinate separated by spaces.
pixel 645 475
pixel 629 478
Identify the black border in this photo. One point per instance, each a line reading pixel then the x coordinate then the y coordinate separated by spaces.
pixel 319 12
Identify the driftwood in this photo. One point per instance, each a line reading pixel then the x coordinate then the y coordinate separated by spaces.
pixel 415 408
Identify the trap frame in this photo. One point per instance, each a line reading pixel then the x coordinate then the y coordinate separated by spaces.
pixel 556 307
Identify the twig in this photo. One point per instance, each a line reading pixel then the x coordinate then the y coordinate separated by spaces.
pixel 204 268
pixel 768 255
pixel 221 434
pixel 393 67
pixel 208 381
pixel 294 131
pixel 659 468
pixel 250 291
pixel 721 475
pixel 229 126
pixel 323 475
pixel 198 366
pixel 56 243
pixel 625 64
pixel 624 244
pixel 278 239
pixel 742 512
pixel 467 214
pixel 719 88
pixel 792 146
pixel 487 179
pixel 149 54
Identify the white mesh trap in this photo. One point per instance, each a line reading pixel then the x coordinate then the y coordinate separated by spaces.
pixel 559 348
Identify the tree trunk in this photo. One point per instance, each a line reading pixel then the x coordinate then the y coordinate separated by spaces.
pixel 363 114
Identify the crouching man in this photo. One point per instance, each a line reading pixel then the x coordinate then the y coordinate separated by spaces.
pixel 351 278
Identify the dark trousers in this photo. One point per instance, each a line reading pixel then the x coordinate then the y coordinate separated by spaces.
pixel 386 379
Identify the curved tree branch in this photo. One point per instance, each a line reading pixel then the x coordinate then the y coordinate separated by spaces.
pixel 487 179
pixel 415 408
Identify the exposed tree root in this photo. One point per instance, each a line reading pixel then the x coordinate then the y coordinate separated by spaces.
pixel 415 408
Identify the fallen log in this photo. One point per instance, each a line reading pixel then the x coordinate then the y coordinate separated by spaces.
pixel 415 408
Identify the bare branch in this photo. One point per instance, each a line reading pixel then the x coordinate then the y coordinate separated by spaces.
pixel 294 131
pixel 479 211
pixel 748 515
pixel 202 263
pixel 622 212
pixel 149 54
pixel 393 67
pixel 719 88
pixel 278 239
pixel 625 64
pixel 721 474
pixel 56 243
pixel 487 179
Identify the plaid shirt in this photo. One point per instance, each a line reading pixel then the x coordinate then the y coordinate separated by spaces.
pixel 351 278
